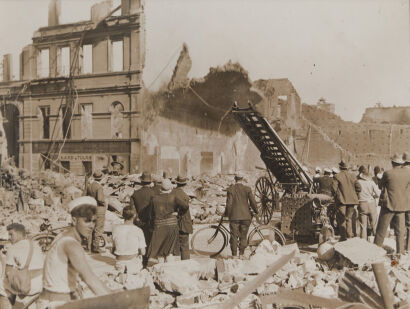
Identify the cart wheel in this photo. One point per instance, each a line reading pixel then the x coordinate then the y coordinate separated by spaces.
pixel 264 196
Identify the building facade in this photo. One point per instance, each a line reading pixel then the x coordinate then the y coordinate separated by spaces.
pixel 78 98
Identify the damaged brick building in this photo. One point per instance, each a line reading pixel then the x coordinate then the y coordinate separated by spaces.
pixel 75 105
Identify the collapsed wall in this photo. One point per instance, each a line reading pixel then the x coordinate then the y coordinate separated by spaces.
pixel 371 143
pixel 188 128
pixel 387 115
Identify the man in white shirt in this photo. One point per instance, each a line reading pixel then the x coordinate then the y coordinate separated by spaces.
pixel 17 257
pixel 129 243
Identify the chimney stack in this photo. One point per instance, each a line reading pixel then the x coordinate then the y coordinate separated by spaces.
pixel 7 68
pixel 130 7
pixel 100 10
pixel 53 13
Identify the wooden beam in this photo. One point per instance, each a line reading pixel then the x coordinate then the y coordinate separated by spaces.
pixel 138 298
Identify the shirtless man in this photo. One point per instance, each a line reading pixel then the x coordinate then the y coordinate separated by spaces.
pixel 66 259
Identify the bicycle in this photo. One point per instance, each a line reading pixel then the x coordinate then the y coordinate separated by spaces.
pixel 48 234
pixel 212 240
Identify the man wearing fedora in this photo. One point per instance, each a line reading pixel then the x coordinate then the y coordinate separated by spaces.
pixel 95 190
pixel 239 201
pixel 184 217
pixel 406 159
pixel 346 199
pixel 140 201
pixel 395 185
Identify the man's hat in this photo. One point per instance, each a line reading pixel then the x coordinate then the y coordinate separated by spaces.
pixel 239 176
pixel 318 169
pixel 335 170
pixel 181 180
pixel 342 165
pixel 97 175
pixel 327 170
pixel 146 177
pixel 116 162
pixel 406 157
pixel 80 201
pixel 166 185
pixel 397 159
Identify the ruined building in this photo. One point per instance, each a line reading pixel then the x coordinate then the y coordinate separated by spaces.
pixel 80 104
pixel 76 104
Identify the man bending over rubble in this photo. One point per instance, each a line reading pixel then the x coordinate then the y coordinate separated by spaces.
pixel 239 200
pixel 66 259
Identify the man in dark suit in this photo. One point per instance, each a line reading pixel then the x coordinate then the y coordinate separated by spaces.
pixel 95 190
pixel 184 218
pixel 395 185
pixel 239 200
pixel 346 198
pixel 140 200
pixel 406 159
pixel 325 183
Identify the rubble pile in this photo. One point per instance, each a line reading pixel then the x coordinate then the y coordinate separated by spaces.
pixel 44 197
pixel 201 282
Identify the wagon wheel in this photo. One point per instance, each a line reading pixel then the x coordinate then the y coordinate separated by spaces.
pixel 264 199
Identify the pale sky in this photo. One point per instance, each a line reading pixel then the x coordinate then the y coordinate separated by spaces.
pixel 354 53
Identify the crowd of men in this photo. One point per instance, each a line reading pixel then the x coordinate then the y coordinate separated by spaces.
pixel 157 224
pixel 379 201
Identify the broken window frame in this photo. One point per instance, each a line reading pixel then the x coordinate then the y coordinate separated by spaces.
pixel 81 106
pixel 114 67
pixel 65 122
pixel 63 69
pixel 45 112
pixel 84 59
pixel 42 70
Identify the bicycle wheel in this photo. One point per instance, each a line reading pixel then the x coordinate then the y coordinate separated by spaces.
pixel 259 233
pixel 44 241
pixel 209 241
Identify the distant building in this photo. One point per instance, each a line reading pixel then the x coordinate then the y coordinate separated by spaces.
pixel 322 104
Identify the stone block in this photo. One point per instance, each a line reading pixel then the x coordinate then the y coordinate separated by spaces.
pixel 359 251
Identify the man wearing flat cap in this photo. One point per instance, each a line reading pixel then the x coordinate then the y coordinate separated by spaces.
pixel 184 217
pixel 346 198
pixel 95 190
pixel 65 262
pixel 325 183
pixel 117 168
pixel 239 201
pixel 140 200
pixel 395 185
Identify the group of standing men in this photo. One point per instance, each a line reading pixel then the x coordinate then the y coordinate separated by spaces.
pixel 389 190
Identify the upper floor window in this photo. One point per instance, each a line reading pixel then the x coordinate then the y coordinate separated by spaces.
pixel 87 59
pixel 45 120
pixel 63 61
pixel 43 63
pixel 117 59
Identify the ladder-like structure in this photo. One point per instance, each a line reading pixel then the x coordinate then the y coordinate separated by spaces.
pixel 275 154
